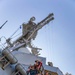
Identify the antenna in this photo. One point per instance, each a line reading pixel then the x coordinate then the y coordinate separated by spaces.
pixel 3 24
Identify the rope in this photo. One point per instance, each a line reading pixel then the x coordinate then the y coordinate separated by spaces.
pixel 2 45
pixel 15 31
pixel 48 41
pixel 16 35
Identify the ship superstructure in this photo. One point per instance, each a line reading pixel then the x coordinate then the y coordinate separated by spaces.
pixel 15 57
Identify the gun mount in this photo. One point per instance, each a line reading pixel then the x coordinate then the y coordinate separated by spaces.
pixel 29 32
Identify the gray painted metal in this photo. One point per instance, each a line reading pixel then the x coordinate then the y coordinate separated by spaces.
pixel 9 56
pixel 21 69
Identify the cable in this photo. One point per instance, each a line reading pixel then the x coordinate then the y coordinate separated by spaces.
pixel 2 44
pixel 16 35
pixel 48 41
pixel 15 31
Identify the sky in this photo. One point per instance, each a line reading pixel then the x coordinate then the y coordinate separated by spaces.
pixel 57 39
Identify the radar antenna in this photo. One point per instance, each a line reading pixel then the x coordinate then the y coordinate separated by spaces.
pixel 3 24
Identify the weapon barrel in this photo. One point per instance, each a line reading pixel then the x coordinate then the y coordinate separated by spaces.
pixel 50 15
pixel 45 21
pixel 41 24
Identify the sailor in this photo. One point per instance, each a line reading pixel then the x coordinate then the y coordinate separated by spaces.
pixel 47 73
pixel 32 71
pixel 38 66
pixel 28 71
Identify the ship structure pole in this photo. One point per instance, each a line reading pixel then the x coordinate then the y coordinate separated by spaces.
pixel 3 24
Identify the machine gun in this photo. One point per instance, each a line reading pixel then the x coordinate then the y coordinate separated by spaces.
pixel 41 24
pixel 45 21
pixel 32 32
